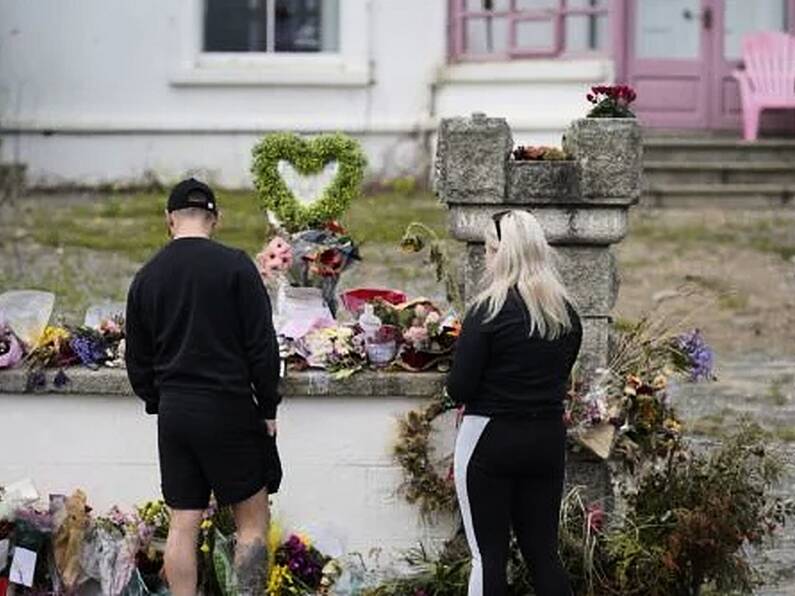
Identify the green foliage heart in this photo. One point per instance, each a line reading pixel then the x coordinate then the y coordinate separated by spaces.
pixel 307 157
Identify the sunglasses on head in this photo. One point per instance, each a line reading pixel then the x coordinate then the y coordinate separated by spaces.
pixel 497 218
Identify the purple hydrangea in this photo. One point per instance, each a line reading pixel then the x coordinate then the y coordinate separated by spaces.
pixel 699 355
pixel 91 351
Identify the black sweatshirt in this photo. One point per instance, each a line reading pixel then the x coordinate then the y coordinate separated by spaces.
pixel 199 322
pixel 499 369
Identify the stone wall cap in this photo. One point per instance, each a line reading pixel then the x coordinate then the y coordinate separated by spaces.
pixel 113 382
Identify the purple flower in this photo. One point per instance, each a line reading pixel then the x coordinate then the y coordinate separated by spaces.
pixel 699 355
pixel 89 350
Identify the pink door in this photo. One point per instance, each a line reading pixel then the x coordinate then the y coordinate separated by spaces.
pixel 679 55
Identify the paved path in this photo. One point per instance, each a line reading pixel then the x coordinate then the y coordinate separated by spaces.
pixel 763 388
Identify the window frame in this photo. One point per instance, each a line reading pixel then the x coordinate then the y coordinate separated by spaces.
pixel 347 66
pixel 459 15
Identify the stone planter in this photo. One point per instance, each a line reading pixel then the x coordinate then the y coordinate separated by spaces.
pixel 533 182
pixel 581 204
pixel 610 154
pixel 471 158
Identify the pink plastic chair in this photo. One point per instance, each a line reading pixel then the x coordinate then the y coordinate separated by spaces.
pixel 768 80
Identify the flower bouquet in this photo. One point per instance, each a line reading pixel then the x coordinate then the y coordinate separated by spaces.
pixel 589 416
pixel 428 337
pixel 300 568
pixel 340 349
pixel 638 419
pixel 314 258
pixel 53 348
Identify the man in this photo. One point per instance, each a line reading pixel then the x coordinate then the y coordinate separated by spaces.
pixel 202 354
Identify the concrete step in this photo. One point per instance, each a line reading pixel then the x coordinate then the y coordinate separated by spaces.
pixel 12 180
pixel 719 149
pixel 728 172
pixel 720 195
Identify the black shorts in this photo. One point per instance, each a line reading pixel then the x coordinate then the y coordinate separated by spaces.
pixel 214 444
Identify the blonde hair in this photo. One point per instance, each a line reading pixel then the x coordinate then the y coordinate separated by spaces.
pixel 523 259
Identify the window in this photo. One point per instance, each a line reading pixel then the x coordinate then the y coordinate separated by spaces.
pixel 520 28
pixel 271 25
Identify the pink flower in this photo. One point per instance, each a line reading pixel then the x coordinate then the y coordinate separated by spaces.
pixel 595 517
pixel 11 352
pixel 433 318
pixel 416 336
pixel 276 257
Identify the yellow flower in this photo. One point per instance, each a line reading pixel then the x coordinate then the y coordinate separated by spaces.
pixel 207 524
pixel 274 536
pixel 672 425
pixel 52 335
pixel 205 548
pixel 279 578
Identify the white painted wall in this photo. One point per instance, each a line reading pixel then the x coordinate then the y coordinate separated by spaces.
pixel 340 478
pixel 114 91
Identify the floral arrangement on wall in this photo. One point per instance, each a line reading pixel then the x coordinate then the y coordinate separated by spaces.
pixel 62 346
pixel 379 328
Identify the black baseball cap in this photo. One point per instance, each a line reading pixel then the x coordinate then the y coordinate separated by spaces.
pixel 191 193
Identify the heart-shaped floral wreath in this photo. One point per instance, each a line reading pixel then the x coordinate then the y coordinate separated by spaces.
pixel 307 157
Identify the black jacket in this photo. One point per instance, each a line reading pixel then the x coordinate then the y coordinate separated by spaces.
pixel 499 369
pixel 199 321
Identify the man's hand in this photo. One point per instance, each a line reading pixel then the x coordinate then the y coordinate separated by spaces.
pixel 270 426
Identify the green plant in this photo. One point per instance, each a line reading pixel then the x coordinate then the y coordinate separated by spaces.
pixel 684 530
pixel 689 520
pixel 308 157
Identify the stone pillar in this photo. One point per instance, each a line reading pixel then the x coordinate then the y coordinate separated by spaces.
pixel 582 204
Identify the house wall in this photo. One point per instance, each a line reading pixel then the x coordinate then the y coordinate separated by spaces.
pixel 116 92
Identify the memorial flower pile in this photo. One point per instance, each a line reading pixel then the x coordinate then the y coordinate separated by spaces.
pixel 63 346
pixel 60 346
pixel 417 334
pixel 62 547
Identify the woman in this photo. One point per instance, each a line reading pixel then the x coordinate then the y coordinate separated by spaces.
pixel 513 360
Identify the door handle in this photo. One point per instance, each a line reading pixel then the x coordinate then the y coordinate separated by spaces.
pixel 706 18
